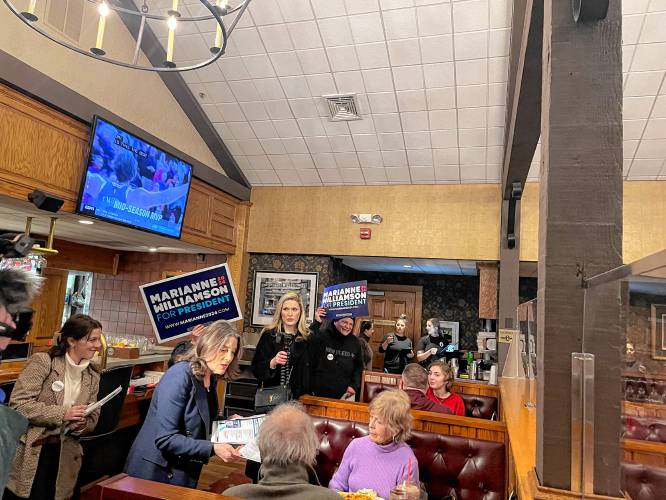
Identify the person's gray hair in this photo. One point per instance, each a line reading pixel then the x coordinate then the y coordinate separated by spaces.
pixel 288 436
pixel 414 376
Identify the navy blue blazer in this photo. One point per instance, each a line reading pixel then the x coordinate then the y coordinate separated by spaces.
pixel 174 441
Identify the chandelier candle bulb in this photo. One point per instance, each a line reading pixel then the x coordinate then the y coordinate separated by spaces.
pixel 31 7
pixel 103 10
pixel 172 31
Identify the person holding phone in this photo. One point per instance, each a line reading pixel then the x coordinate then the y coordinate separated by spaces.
pixel 431 347
pixel 397 347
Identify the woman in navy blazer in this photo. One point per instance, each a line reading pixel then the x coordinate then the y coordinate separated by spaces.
pixel 174 441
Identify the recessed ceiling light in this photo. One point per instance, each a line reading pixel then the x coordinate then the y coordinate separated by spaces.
pixel 152 249
pixel 82 221
pixel 408 266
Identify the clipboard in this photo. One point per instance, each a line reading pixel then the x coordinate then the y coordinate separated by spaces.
pixel 93 406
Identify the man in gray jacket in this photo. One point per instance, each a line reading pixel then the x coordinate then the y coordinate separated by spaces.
pixel 288 446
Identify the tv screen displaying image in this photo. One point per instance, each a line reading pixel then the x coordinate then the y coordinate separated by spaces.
pixel 131 182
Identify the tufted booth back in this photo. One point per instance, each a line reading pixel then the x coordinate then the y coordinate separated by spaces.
pixel 642 482
pixel 475 405
pixel 448 465
pixel 643 390
pixel 644 428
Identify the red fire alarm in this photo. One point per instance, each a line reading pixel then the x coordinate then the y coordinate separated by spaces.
pixel 366 233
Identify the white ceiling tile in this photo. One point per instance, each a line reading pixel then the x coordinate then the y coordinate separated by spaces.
pixel 268 177
pixel 295 86
pixel 251 146
pixel 419 157
pixel 285 63
pixel 375 174
pixel 396 158
pixel 655 5
pixel 366 142
pixel 378 80
pixel 493 173
pixel 372 55
pixel 634 6
pixel 330 176
pixel 496 116
pixel 258 66
pixel 231 112
pixel 472 45
pixel 400 23
pixel 411 100
pixel 305 35
pixel 253 178
pixel 651 149
pixel 313 61
pixel 495 154
pixel 349 82
pixel 352 176
pixel 472 117
pixel 408 77
pixel 442 98
pixel 436 49
pixel 273 146
pixel 404 52
pixel 242 130
pixel 266 12
pixel 498 69
pixel 473 96
pixel 472 72
pixel 395 4
pixel 233 68
pixel 635 108
pixel 212 112
pixel 311 127
pixel 269 88
pixel 278 109
pixel 643 83
pixel 295 145
pixel 336 31
pixel 289 177
pixel 500 13
pixel 234 147
pixel 224 131
pixel 421 174
pixel 449 173
pixel 296 10
pixel 193 76
pixel 215 92
pixel 472 172
pixel 248 41
pixel 470 16
pixel 659 110
pixel 445 119
pixel 438 75
pixel 417 140
pixel 367 28
pixel 370 159
pixel 499 43
pixel 189 47
pixel 343 58
pixel 309 177
pixel 318 144
pixel 346 160
pixel 649 57
pixel 447 156
pixel 244 90
pixel 475 137
pixel 472 156
pixel 259 162
pixel 497 94
pixel 364 126
pixel 341 143
pixel 275 37
pixel 281 162
pixel 398 174
pixel 254 110
pixel 324 160
pixel 321 84
pixel 335 128
pixel 627 56
pixel 645 167
pixel 626 165
pixel 389 122
pixel 629 148
pixel 263 129
pixel 631 28
pixel 361 6
pixel 287 128
pixel 444 139
pixel 328 8
pixel 434 20
pixel 414 121
pixel 495 136
pixel 391 141
pixel 302 160
pixel 633 129
pixel 210 73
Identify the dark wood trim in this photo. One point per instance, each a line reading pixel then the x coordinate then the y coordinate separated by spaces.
pixel 418 303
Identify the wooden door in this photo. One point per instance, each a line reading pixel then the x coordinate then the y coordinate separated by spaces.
pixel 385 305
pixel 48 308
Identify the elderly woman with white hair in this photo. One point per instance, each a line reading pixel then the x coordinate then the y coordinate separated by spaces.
pixel 288 446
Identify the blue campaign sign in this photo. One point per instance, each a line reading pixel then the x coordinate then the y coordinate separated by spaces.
pixel 346 300
pixel 176 305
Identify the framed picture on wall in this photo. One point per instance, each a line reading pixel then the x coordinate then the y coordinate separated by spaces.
pixel 658 320
pixel 269 286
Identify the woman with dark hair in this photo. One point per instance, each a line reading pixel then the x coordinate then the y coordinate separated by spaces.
pixel 364 337
pixel 174 441
pixel 53 392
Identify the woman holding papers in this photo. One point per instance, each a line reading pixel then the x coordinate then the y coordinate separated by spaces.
pixel 174 441
pixel 53 392
pixel 397 347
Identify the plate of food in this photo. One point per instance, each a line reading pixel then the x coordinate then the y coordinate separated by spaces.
pixel 364 494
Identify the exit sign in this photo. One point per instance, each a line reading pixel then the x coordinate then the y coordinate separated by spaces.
pixel 366 233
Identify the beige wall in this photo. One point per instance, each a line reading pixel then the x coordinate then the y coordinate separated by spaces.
pixel 427 221
pixel 438 221
pixel 137 96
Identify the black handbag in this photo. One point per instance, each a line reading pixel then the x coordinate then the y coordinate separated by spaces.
pixel 267 398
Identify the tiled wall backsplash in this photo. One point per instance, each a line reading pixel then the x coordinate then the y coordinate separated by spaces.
pixel 116 301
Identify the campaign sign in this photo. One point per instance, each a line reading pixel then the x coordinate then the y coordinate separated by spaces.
pixel 176 305
pixel 346 300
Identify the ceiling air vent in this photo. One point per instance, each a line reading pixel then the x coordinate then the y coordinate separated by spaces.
pixel 342 107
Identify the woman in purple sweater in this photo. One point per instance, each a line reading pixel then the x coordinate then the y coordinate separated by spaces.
pixel 381 460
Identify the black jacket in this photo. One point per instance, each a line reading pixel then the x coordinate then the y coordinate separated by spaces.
pixel 336 363
pixel 270 343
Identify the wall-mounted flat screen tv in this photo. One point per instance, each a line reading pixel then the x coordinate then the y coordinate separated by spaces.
pixel 129 181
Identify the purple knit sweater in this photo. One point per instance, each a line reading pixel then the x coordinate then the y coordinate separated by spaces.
pixel 379 467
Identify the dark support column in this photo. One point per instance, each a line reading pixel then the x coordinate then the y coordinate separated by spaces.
pixel 509 273
pixel 580 221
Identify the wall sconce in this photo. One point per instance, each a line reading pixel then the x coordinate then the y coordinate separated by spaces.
pixel 366 218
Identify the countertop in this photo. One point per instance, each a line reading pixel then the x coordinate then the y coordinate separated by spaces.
pixel 141 360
